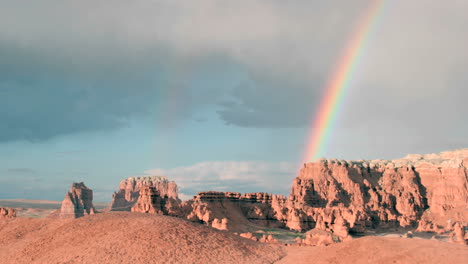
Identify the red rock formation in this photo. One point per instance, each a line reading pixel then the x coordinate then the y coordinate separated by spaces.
pixel 249 235
pixel 78 202
pixel 264 209
pixel 207 206
pixel 7 213
pixel 318 237
pixel 220 224
pixel 380 193
pixel 149 201
pixel 129 191
pixel 458 234
pixel 340 197
pixel 240 210
pixel 268 239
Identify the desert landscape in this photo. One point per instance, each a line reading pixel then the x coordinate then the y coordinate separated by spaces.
pixel 232 132
pixel 409 210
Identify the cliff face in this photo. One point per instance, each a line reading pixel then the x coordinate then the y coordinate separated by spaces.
pixel 129 191
pixel 418 189
pixel 78 202
pixel 149 201
pixel 428 192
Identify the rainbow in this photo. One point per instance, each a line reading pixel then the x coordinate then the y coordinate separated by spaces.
pixel 339 82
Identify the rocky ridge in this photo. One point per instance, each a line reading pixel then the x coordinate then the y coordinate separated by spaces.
pixel 428 192
pixel 419 189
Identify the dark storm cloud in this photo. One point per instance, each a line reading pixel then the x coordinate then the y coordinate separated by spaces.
pixel 263 101
pixel 87 65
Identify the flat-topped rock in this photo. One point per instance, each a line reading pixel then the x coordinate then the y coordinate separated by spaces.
pixel 129 190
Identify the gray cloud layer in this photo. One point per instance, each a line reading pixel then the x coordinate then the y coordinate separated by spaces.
pixel 75 66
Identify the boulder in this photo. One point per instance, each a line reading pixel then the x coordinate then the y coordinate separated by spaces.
pixel 458 234
pixel 317 237
pixel 220 224
pixel 7 213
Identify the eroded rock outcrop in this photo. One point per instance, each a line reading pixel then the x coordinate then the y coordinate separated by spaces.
pixel 318 237
pixel 78 202
pixel 238 209
pixel 129 191
pixel 220 224
pixel 335 198
pixel 7 213
pixel 149 201
pixel 458 234
pixel 424 190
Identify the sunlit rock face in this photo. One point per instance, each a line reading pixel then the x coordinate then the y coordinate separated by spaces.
pixel 428 192
pixel 419 189
pixel 129 191
pixel 149 201
pixel 78 202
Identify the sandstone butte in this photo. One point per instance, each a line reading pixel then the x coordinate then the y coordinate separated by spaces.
pixel 129 191
pixel 78 202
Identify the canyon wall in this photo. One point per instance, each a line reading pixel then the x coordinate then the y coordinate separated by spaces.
pixel 428 192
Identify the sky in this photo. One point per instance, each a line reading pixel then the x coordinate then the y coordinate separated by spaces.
pixel 215 94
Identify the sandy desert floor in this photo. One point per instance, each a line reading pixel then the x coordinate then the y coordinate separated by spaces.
pixel 38 208
pixel 373 249
pixel 123 237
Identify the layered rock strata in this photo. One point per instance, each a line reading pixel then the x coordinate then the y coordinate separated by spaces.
pixel 149 201
pixel 419 189
pixel 129 191
pixel 78 202
pixel 428 192
pixel 239 209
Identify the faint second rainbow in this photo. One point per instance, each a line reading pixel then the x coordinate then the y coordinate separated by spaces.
pixel 339 82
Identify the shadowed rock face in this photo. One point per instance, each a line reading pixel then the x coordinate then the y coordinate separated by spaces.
pixel 149 201
pixel 233 211
pixel 78 202
pixel 7 212
pixel 129 191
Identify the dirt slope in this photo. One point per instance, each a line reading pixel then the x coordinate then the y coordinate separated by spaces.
pixel 374 249
pixel 121 237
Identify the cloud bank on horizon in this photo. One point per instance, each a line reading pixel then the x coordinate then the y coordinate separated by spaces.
pixel 241 78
